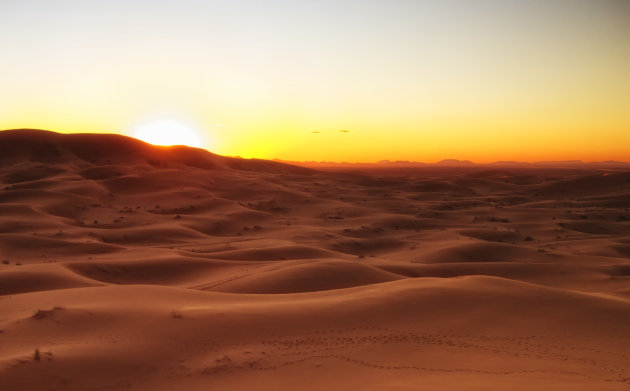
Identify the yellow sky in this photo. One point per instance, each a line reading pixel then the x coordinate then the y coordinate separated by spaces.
pixel 408 80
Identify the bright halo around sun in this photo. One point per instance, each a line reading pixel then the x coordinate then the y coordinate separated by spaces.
pixel 168 132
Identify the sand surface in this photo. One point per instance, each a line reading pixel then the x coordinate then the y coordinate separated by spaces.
pixel 132 267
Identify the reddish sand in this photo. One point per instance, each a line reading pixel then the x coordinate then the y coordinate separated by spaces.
pixel 128 266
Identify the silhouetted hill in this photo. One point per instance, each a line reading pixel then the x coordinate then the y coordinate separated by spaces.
pixel 44 146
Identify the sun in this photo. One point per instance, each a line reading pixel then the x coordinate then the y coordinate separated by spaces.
pixel 168 132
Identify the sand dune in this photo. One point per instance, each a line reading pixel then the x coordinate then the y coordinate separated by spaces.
pixel 129 266
pixel 317 275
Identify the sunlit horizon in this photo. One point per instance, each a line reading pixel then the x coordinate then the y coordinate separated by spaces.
pixel 353 81
pixel 167 133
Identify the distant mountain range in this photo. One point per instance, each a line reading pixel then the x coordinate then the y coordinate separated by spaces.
pixel 569 164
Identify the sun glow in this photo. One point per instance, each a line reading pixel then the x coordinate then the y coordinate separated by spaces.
pixel 167 132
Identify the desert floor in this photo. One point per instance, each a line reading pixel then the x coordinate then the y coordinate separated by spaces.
pixel 166 269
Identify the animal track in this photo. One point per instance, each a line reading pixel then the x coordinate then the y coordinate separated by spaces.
pixel 281 351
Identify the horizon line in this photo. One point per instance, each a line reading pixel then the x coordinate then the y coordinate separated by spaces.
pixel 444 162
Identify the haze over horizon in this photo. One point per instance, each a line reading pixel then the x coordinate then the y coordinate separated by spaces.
pixel 357 81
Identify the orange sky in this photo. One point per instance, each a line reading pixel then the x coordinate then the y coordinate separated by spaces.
pixel 406 80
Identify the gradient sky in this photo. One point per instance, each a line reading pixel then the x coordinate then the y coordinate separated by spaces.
pixel 406 79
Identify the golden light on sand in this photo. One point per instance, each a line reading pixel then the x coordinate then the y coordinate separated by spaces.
pixel 168 132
